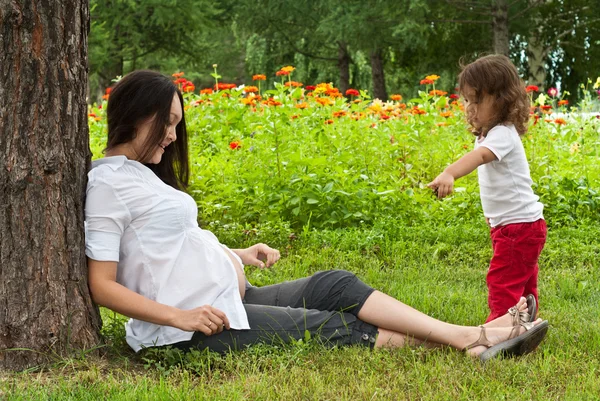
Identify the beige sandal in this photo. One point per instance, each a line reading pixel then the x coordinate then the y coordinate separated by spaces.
pixel 526 316
pixel 516 344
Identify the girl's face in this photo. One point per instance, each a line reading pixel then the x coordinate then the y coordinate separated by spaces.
pixel 143 130
pixel 479 113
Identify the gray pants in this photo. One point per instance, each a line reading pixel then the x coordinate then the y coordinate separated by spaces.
pixel 324 305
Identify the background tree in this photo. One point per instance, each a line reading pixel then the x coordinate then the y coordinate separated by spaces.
pixel 44 156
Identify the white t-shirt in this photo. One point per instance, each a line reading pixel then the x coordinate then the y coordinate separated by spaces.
pixel 151 230
pixel 505 184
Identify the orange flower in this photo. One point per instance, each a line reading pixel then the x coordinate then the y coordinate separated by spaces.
pixel 206 91
pixel 287 69
pixel 294 116
pixel 426 82
pixel 271 102
pixel 340 113
pixel 302 105
pixel 178 74
pixel 250 89
pixel 224 86
pixel 563 102
pixel 235 145
pixel 189 86
pixel 446 114
pixel 358 116
pixel 328 121
pixel 560 121
pixel 437 93
pixel 417 111
pixel 442 124
pixel 248 101
pixel 324 101
pixel 259 77
pixel 280 73
pixel 294 84
pixel 432 77
pixel 396 98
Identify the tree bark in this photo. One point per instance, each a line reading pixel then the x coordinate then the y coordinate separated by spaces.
pixel 379 91
pixel 500 26
pixel 344 66
pixel 45 305
pixel 536 58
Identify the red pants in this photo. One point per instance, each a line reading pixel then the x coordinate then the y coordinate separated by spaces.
pixel 514 269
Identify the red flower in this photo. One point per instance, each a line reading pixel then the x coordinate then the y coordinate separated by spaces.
pixel 352 92
pixel 310 87
pixel 427 81
pixel 546 107
pixel 454 96
pixel 328 121
pixel 235 145
pixel 280 73
pixel 553 92
pixel 531 88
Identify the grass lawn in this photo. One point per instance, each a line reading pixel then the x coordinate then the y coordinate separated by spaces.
pixel 439 270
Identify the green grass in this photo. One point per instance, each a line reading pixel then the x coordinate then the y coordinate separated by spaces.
pixel 439 270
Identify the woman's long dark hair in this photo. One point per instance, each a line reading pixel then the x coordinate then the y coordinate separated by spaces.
pixel 136 98
pixel 495 75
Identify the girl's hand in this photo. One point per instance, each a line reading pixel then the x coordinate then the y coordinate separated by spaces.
pixel 443 185
pixel 206 319
pixel 258 254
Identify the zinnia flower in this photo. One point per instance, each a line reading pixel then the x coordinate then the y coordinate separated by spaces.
pixel 352 92
pixel 454 96
pixel 259 77
pixel 564 102
pixel 294 84
pixel 432 77
pixel 330 121
pixel 437 93
pixel 340 113
pixel 287 69
pixel 531 88
pixel 224 86
pixel 178 74
pixel 324 101
pixel 206 91
pixel 426 82
pixel 396 98
pixel 560 121
pixel 553 92
pixel 250 89
pixel 235 145
pixel 189 86
pixel 302 105
pixel 310 87
pixel 446 114
pixel 281 72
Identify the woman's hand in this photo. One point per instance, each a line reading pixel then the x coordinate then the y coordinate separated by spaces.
pixel 259 254
pixel 206 319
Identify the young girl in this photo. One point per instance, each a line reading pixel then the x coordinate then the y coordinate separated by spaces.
pixel 497 108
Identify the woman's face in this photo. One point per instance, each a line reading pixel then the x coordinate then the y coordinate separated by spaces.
pixel 143 130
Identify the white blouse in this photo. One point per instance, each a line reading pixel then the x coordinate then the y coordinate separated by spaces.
pixel 151 230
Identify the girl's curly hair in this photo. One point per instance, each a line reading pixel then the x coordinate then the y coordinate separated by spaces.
pixel 495 75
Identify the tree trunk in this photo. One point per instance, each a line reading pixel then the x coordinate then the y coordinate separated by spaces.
pixel 378 76
pixel 45 305
pixel 500 26
pixel 344 65
pixel 536 57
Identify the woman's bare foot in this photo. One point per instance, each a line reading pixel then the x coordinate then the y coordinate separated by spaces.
pixel 494 336
pixel 507 320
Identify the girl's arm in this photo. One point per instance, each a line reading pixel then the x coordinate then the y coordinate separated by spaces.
pixel 105 291
pixel 444 183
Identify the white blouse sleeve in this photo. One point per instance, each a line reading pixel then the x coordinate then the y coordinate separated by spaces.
pixel 106 218
pixel 500 141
